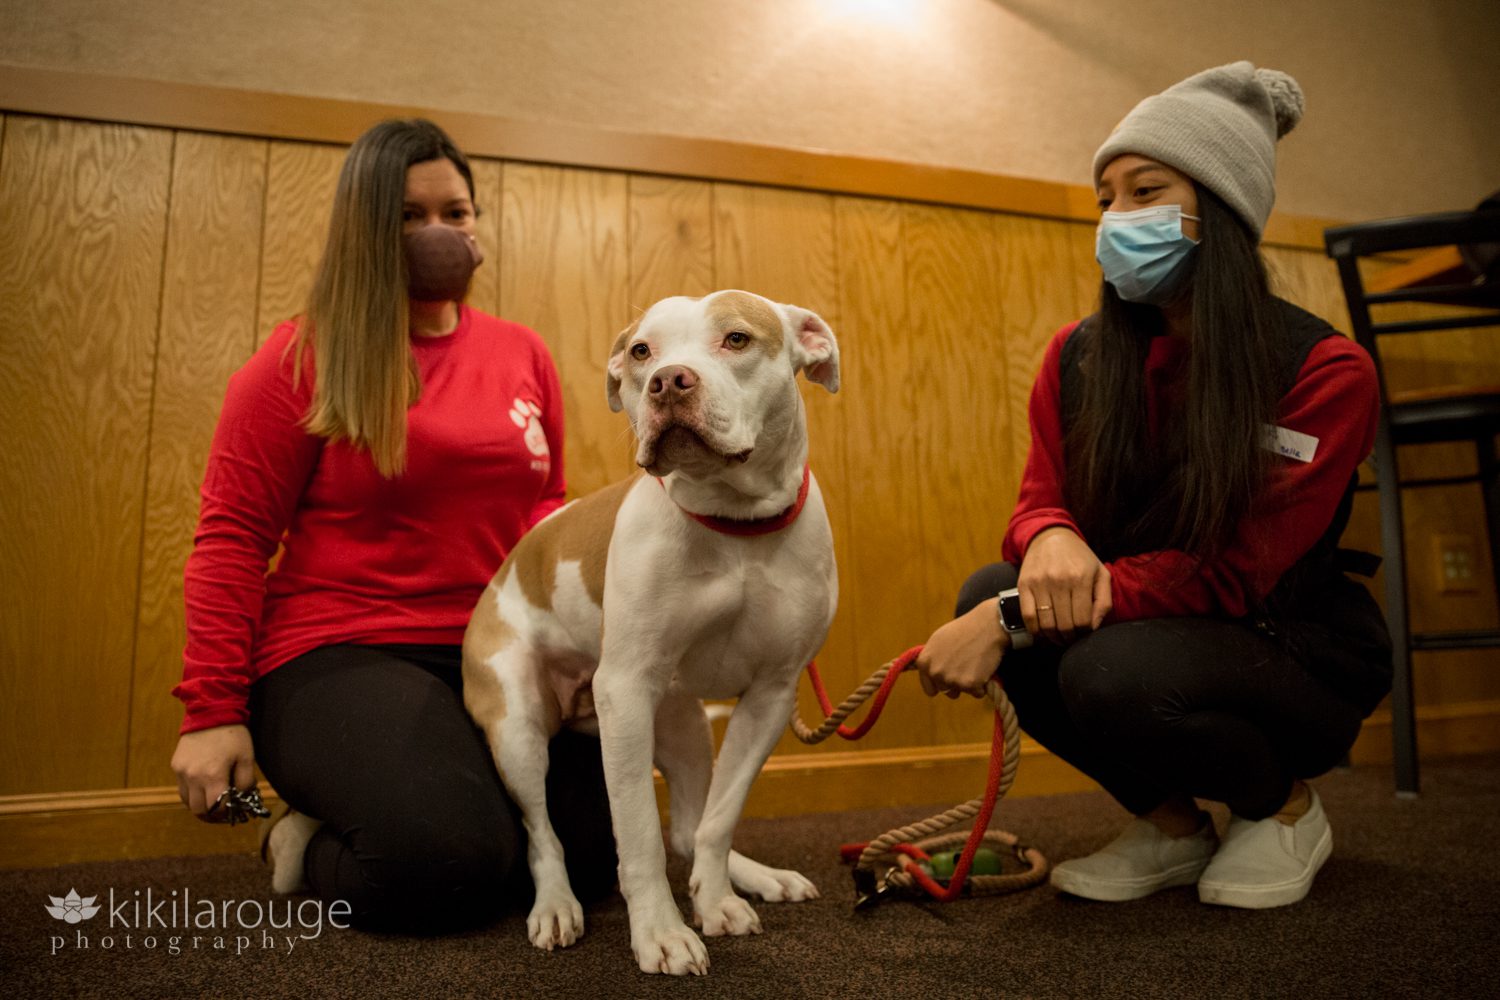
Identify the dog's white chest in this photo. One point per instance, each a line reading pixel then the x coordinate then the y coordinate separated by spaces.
pixel 750 623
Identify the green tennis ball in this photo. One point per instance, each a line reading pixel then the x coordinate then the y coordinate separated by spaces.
pixel 986 862
pixel 943 864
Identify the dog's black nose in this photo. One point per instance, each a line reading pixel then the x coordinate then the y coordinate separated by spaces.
pixel 673 381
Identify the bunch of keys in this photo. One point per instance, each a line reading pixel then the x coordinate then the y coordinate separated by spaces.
pixel 240 806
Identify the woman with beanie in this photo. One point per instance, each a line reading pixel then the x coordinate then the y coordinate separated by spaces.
pixel 395 443
pixel 1173 616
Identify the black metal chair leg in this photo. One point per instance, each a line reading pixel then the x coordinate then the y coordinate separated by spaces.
pixel 1489 481
pixel 1392 543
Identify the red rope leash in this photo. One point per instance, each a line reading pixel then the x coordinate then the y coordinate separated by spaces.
pixel 976 836
pixel 898 666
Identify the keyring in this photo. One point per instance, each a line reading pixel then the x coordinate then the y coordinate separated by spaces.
pixel 240 806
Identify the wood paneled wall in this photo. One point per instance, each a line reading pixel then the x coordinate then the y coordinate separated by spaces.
pixel 142 265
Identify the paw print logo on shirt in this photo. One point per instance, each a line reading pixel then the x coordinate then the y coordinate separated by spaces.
pixel 524 413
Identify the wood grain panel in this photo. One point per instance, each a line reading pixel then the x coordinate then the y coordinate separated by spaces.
pixel 1039 291
pixel 1084 267
pixel 780 244
pixel 966 456
pixel 882 576
pixel 1310 280
pixel 82 222
pixel 321 119
pixel 1454 677
pixel 564 274
pixel 207 330
pixel 671 239
pixel 484 290
pixel 300 181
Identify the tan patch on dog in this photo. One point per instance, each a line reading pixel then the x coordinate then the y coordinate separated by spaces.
pixel 750 313
pixel 487 633
pixel 624 337
pixel 580 533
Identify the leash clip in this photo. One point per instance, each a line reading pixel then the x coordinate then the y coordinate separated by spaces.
pixel 870 889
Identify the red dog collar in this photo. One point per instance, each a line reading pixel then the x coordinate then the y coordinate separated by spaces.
pixel 757 526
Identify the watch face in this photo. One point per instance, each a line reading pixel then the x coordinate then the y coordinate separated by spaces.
pixel 1010 610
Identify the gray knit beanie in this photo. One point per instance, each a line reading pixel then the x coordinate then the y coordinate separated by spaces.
pixel 1220 128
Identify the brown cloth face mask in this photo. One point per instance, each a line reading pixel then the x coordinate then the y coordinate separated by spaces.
pixel 440 260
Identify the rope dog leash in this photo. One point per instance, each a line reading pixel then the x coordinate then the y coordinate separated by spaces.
pixel 893 862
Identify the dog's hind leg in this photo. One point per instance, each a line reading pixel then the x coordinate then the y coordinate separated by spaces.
pixel 509 701
pixel 775 885
pixel 684 754
pixel 754 727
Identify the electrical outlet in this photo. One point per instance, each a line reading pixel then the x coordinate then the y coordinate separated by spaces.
pixel 1456 562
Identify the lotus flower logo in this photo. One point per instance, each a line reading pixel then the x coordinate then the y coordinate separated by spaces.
pixel 72 908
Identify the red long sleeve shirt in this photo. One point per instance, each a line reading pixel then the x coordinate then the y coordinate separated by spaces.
pixel 365 559
pixel 1335 399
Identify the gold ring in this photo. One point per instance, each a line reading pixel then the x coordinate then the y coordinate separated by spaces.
pixel 1044 607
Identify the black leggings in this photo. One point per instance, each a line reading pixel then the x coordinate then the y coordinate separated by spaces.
pixel 1168 707
pixel 418 833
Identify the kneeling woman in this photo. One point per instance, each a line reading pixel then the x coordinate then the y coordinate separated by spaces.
pixel 1193 455
pixel 395 443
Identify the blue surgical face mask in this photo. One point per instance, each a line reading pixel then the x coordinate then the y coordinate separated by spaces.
pixel 1143 253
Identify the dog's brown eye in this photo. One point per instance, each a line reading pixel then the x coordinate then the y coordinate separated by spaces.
pixel 737 340
pixel 640 351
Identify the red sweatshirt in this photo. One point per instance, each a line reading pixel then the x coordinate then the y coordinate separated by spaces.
pixel 365 559
pixel 1334 399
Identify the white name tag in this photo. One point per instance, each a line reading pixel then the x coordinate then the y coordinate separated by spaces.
pixel 1292 444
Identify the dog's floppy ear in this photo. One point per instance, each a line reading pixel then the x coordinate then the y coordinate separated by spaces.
pixel 814 348
pixel 615 370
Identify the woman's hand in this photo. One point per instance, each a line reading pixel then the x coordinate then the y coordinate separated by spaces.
pixel 1064 587
pixel 207 762
pixel 962 655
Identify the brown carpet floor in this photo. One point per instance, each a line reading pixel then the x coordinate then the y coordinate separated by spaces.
pixel 1409 905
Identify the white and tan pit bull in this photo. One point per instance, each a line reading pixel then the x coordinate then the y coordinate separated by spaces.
pixel 710 577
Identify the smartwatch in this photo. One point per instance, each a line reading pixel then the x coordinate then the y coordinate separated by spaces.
pixel 1011 620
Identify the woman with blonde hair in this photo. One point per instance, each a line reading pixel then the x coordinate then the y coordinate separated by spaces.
pixel 394 443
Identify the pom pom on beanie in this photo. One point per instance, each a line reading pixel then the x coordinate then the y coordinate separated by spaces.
pixel 1286 98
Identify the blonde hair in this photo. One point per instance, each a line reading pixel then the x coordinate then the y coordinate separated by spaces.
pixel 357 321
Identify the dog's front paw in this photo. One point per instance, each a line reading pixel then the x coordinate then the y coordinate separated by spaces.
pixel 775 885
pixel 727 915
pixel 670 948
pixel 556 921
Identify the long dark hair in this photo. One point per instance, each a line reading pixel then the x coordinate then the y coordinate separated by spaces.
pixel 1190 488
pixel 357 319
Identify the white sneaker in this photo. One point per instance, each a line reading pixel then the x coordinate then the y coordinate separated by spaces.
pixel 1137 863
pixel 1265 863
pixel 284 848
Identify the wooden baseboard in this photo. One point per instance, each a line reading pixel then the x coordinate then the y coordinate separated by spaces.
pixel 70 827
pixel 1459 729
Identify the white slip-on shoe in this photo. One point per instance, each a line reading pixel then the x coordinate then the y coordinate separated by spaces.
pixel 283 846
pixel 1266 863
pixel 1137 863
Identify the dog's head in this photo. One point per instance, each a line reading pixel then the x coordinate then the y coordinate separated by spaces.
pixel 706 382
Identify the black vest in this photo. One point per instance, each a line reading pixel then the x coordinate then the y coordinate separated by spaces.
pixel 1329 622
